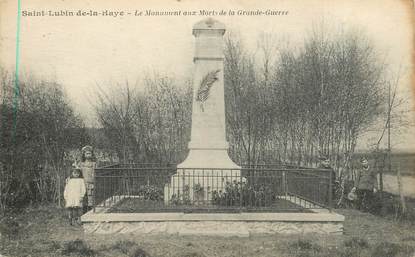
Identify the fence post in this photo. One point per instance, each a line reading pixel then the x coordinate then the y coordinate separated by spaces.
pixel 240 191
pixel 95 190
pixel 284 184
pixel 330 189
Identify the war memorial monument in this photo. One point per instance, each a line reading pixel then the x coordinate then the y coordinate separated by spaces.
pixel 250 201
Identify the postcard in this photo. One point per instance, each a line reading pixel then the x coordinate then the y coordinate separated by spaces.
pixel 207 128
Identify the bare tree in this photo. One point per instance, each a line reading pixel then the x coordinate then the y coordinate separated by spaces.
pixel 152 125
pixel 117 112
pixel 38 127
pixel 298 103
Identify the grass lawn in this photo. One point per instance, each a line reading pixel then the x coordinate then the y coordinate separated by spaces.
pixel 44 231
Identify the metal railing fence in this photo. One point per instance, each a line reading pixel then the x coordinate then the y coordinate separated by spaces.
pixel 148 188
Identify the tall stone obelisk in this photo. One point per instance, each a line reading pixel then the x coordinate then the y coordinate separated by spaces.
pixel 207 167
pixel 208 147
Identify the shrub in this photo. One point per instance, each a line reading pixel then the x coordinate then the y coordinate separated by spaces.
pixel 304 244
pixel 33 150
pixel 177 199
pixel 138 252
pixel 242 193
pixel 123 246
pixel 386 249
pixel 304 248
pixel 78 247
pixel 356 242
pixel 53 245
pixel 9 227
pixel 197 188
pixel 349 252
pixel 150 192
pixel 391 206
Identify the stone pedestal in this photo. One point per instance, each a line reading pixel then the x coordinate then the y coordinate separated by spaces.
pixel 208 163
pixel 213 224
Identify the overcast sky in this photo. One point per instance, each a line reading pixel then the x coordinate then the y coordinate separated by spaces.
pixel 80 52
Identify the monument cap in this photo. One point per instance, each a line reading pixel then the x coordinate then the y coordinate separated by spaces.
pixel 209 24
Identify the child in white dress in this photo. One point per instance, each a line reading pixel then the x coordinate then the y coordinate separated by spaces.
pixel 74 193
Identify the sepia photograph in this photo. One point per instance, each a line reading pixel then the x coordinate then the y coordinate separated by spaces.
pixel 190 128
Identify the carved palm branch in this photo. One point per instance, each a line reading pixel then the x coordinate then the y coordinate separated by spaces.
pixel 205 85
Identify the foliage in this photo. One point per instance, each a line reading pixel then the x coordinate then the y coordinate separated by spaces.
pixel 303 244
pixel 352 247
pixel 197 188
pixel 305 248
pixel 244 194
pixel 387 249
pixel 9 227
pixel 122 246
pixel 38 128
pixel 127 247
pixel 356 242
pixel 138 252
pixel 149 192
pixel 150 126
pixel 78 247
pixel 315 99
pixel 390 206
pixel 282 104
pixel 181 199
pixel 45 232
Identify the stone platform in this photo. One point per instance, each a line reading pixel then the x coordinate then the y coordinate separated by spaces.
pixel 242 224
pixel 218 224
